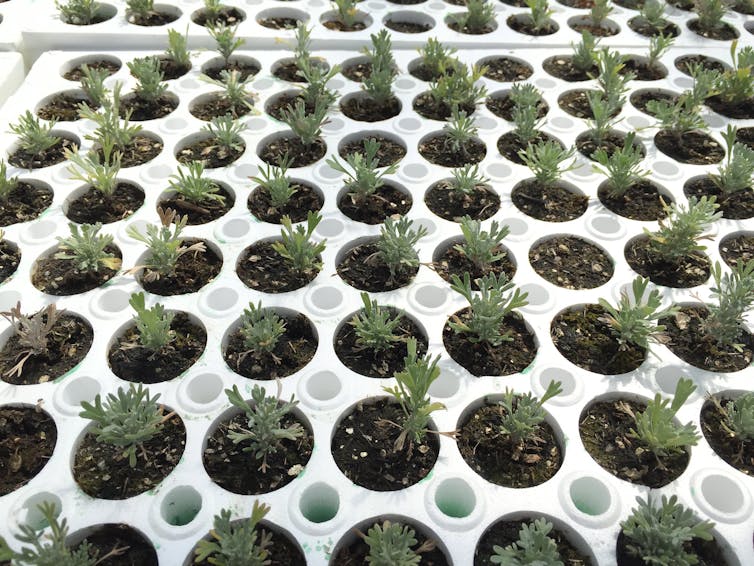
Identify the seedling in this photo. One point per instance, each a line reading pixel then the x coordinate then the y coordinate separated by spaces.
pixel 164 244
pixel 111 134
pixel 710 14
pixel 78 12
pixel 460 131
pixel 466 179
pixel 658 46
pixel 479 15
pixel 603 116
pixel 680 231
pixel 739 417
pixel 32 332
pixel 599 12
pixel 264 432
pixel 612 80
pixel 346 12
pixel 437 58
pixel 379 85
pixel 657 534
pixel 738 171
pixel 524 413
pixel 734 296
pixel 261 329
pixel 296 246
pixel 533 546
pixel 395 245
pixel 275 181
pixel 633 320
pixel 194 186
pixel 86 248
pixel 481 247
pixel 736 85
pixel 139 8
pixel 653 13
pixel 539 14
pixel 375 327
pixel 100 176
pixel 314 90
pixel 93 84
pixel 33 136
pixel 153 325
pixel 178 48
pixel 584 56
pixel 390 545
pixel 234 91
pixel 7 184
pixel 545 159
pixel 656 426
pixel 236 542
pixel 621 168
pixel 227 131
pixel 306 127
pixel 149 78
pixel 212 10
pixel 526 99
pixel 363 176
pixel 488 309
pixel 225 38
pixel 302 44
pixel 459 88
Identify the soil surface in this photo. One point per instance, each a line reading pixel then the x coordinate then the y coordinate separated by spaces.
pixel 388 200
pixel 101 470
pixel 562 67
pixel 365 109
pixel 510 144
pixel 240 472
pixel 244 67
pixel 586 340
pixel 278 104
pixel 28 440
pixel 192 271
pixel 449 261
pixel 25 202
pixel 356 70
pixel 605 432
pixel 364 447
pixel 92 206
pixel 61 276
pixel 202 211
pixel 437 149
pixel 611 142
pixel 363 269
pixel 689 342
pixel 171 70
pixel 294 349
pixel 506 69
pixel 723 31
pixel 51 156
pixel 388 153
pixel 282 550
pixel 406 27
pixel 64 107
pixel 685 63
pixel 135 548
pixel 278 23
pixel 141 150
pixel 428 107
pixel 738 205
pixel 641 25
pixel 211 152
pixel 680 273
pixel 288 70
pixel 499 459
pixel 216 105
pixel 523 23
pixel 263 269
pixel 737 248
pixel 300 155
pixel 554 203
pixel 641 201
pixel 605 28
pixel 10 257
pixel 305 198
pixel 453 21
pixel 708 553
pixel 228 16
pixel 336 25
pixel 77 72
pixel 356 553
pixel 740 110
pixel 132 362
pixel 68 342
pixel 745 136
pixel 502 105
pixel 642 70
pixel 446 202
pixel 576 103
pixel 640 98
pixel 153 18
pixel 481 358
pixel 736 451
pixel 142 110
pixel 571 262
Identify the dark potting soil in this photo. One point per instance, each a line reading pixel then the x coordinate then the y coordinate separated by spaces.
pixel 244 67
pixel 504 533
pixel 641 25
pixel 690 343
pixel 735 206
pixel 25 202
pixel 612 141
pixel 687 5
pixel 102 470
pixel 406 2
pixel 216 105
pixel 142 149
pixel 384 202
pixel 453 21
pixel 506 69
pixel 98 18
pixel 586 340
pixel 153 18
pixel 723 31
pixel 406 27
pixel 481 358
pixel 423 72
pixel 263 269
pixel 605 428
pixel 685 63
pixel 28 440
pixel 630 4
pixel 305 198
pixel 502 105
pixel 562 67
pixel 605 28
pixel 336 25
pixel 379 363
pixel 576 103
pixel 743 7
pixel 571 262
pixel 680 273
pixel 693 148
pixel 553 203
pixel 211 152
pixel 142 110
pixel 449 261
pixel 278 23
pixel 77 72
pixel 68 342
pixel 363 269
pixel 10 257
pixel 300 155
pixel 745 136
pixel 641 201
pixel 738 248
pixel 237 471
pixel 287 69
pixel 579 4
pixel 61 277
pixel 64 107
pixel 129 546
pixel 51 156
pixel 499 459
pixel 286 100
pixel 736 451
pixel 228 16
pixel 708 553
pixel 428 107
pixel 741 110
pixel 438 150
pixel 364 447
pixel 357 71
pixel 446 202
pixel 171 70
pixel 357 553
pixel 192 271
pixel 642 69
pixel 92 206
pixel 282 550
pixel 132 362
pixel 200 212
pixel 389 152
pixel 365 109
pixel 294 349
pixel 640 98
pixel 523 23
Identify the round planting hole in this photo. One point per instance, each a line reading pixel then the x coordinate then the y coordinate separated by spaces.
pixel 330 228
pixel 41 230
pixel 181 505
pixel 9 299
pixel 159 172
pixel 499 170
pixel 409 124
pixel 236 228
pixel 667 378
pixel 431 296
pixel 455 498
pixel 516 226
pixel 605 225
pixel 113 300
pixel 204 388
pixel 590 496
pixel 323 386
pixel 319 503
pixel 722 493
pixel 537 295
pixel 222 299
pixel 82 388
pixel 566 379
pixel 446 385
pixel 666 168
pixel 327 298
pixel 415 171
pixel 32 516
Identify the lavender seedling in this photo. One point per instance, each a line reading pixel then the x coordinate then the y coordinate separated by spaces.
pixel 739 417
pixel 193 186
pixel 149 78
pixel 524 413
pixel 236 542
pixel 261 329
pixel 436 58
pixel 710 14
pixel 533 546
pixel 374 326
pixel 7 184
pixel 347 13
pixel 544 160
pixel 584 56
pixel 87 249
pixel 736 85
pixel 111 134
pixel 33 136
pixel 737 173
pixel 234 91
pixel 679 233
pixel 274 180
pixel 460 131
pixel 539 14
pixel 93 84
pixel 78 12
pixel 466 179
pixel 395 245
pixel 226 41
pixel 379 85
pixel 32 332
pixel 363 176
pixel 307 127
pixel 526 121
pixel 296 245
pixel 390 544
pixel 481 247
pixel 479 15
pixel 459 88
pixel 227 131
pixel 178 48
pixel 152 325
pixel 734 297
pixel 621 168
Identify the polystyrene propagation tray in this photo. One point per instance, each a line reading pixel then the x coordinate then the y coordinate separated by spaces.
pixel 46 31
pixel 321 506
pixel 11 16
pixel 12 71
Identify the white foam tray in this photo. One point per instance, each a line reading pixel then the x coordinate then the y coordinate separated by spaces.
pixel 326 388
pixel 12 71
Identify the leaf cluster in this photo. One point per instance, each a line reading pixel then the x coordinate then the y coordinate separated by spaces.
pixel 621 167
pixel 739 417
pixel 539 13
pixel 533 547
pixel 78 12
pixel 7 184
pixel 86 248
pixel 526 99
pixel 599 11
pixel 100 176
pixel 736 84
pixel 466 179
pixel 481 247
pixel 225 38
pixel 346 12
pixel 296 245
pixel 149 78
pixel 734 296
pixel 544 159
pixel 261 329
pixel 653 13
pixel 306 126
pixel 460 87
pixel 478 16
pixel 32 332
pixel 375 326
pixel 153 325
pixel 395 245
pixel 710 14
pixel 276 182
pixel 682 228
pixel 738 171
pixel 234 91
pixel 141 8
pixel 584 56
pixel 363 174
pixel 93 84
pixel 236 542
pixel 437 58
pixel 523 414
pixel 460 130
pixel 227 131
pixel 193 185
pixel 379 84
pixel 178 48
pixel 33 136
pixel 111 134
pixel 390 544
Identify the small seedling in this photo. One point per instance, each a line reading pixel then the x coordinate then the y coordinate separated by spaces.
pixel 296 246
pixel 621 167
pixel 460 131
pixel 526 99
pixel 603 116
pixel 234 91
pixel 375 327
pixel 395 245
pixel 612 79
pixel 261 329
pixel 226 41
pixel 379 84
pixel 437 58
pixel 488 309
pixel 680 231
pixel 524 413
pixel 86 248
pixel 139 8
pixel 539 13
pixel 346 12
pixel 153 325
pixel 736 85
pixel 33 136
pixel 93 84
pixel 390 545
pixel 599 12
pixel 149 78
pixel 459 88
pixel 236 542
pixel 306 127
pixel 111 134
pixel 275 181
pixel 100 176
pixel 78 12
pixel 7 184
pixel 479 15
pixel 363 175
pixel 533 547
pixel 227 131
pixel 734 297
pixel 656 426
pixel 584 56
pixel 302 44
pixel 32 332
pixel 467 179
pixel 194 186
pixel 739 417
pixel 710 14
pixel 738 171
pixel 658 534
pixel 212 10
pixel 481 247
pixel 314 90
pixel 178 48
pixel 264 432
pixel 544 159
pixel 658 46
pixel 653 13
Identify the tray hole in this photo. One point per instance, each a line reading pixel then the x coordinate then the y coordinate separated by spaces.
pixel 722 493
pixel 181 506
pixel 204 388
pixel 222 299
pixel 431 296
pixel 330 228
pixel 81 389
pixel 33 516
pixel 455 498
pixel 327 298
pixel 236 228
pixel 114 300
pixel 323 386
pixel 319 503
pixel 566 379
pixel 590 496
